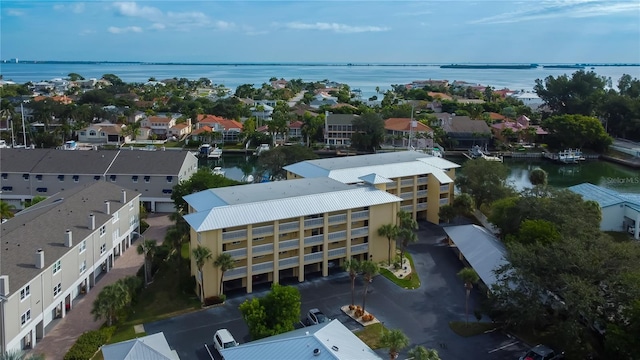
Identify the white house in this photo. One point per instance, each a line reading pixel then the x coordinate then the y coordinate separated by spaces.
pixel 620 212
pixel 530 99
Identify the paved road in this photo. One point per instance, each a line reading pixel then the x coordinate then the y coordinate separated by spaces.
pixel 422 314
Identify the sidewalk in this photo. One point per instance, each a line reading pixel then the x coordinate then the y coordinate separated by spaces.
pixel 58 341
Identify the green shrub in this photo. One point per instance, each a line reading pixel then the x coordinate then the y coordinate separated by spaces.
pixel 143 226
pixel 88 344
pixel 188 285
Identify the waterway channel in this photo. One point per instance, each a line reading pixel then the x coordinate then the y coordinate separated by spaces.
pixel 609 175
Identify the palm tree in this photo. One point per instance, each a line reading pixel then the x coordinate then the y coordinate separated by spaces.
pixel 20 355
pixel 420 353
pixel 110 300
pixel 6 210
pixel 469 277
pixel 389 231
pixel 538 177
pixel 148 249
pixel 225 262
pixel 406 231
pixel 369 270
pixel 395 340
pixel 201 255
pixel 353 267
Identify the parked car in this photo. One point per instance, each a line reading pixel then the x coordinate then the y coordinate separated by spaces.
pixel 315 316
pixel 542 352
pixel 223 340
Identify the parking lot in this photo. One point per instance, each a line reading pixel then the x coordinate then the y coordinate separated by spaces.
pixel 422 314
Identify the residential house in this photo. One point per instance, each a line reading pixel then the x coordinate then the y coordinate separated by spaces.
pixel 323 98
pixel 620 211
pixel 406 132
pixel 295 131
pixel 286 229
pixel 103 133
pixel 203 134
pixel 27 173
pixel 181 130
pixel 339 129
pixel 55 251
pixel 463 132
pixel 423 182
pixel 262 111
pixel 230 129
pixel 530 99
pixel 279 84
pixel 327 341
pixel 159 125
pixel 150 347
pixel 520 129
pixel 64 99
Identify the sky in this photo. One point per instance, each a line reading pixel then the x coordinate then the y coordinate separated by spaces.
pixel 453 31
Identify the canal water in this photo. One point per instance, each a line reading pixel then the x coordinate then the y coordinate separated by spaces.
pixel 609 175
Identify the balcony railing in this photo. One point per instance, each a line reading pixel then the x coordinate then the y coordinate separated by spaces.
pixel 235 273
pixel 337 252
pixel 360 248
pixel 408 208
pixel 364 214
pixel 363 231
pixel 237 253
pixel 406 182
pixel 391 185
pixel 262 249
pixel 444 201
pixel 337 236
pixel 293 225
pixel 313 240
pixel 288 262
pixel 421 193
pixel 336 219
pixel 313 258
pixel 421 206
pixel 422 180
pixel 232 235
pixel 311 223
pixel 288 244
pixel 406 195
pixel 444 188
pixel 262 267
pixel 263 230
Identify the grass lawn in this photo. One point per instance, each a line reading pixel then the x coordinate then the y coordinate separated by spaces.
pixel 371 334
pixel 472 328
pixel 619 236
pixel 411 282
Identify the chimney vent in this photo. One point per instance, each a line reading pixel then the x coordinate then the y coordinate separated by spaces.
pixel 92 222
pixel 124 196
pixel 4 285
pixel 107 207
pixel 316 352
pixel 39 259
pixel 68 238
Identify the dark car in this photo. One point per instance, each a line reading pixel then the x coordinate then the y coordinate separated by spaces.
pixel 541 352
pixel 315 316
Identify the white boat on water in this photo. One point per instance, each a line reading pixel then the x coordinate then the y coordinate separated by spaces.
pixel 476 152
pixel 262 148
pixel 217 171
pixel 215 153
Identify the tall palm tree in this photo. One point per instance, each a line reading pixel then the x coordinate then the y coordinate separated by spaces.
pixel 389 231
pixel 369 270
pixel 148 249
pixel 407 225
pixel 469 277
pixel 201 255
pixel 6 210
pixel 109 301
pixel 225 262
pixel 420 353
pixel 395 340
pixel 353 267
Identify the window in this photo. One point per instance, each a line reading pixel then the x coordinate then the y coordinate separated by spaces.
pixel 82 247
pixel 25 292
pixel 97 177
pixel 57 266
pixel 103 230
pixel 103 249
pixel 76 178
pixel 112 177
pixel 7 188
pixel 61 177
pixel 116 217
pixel 83 133
pixel 25 317
pixel 147 179
pixel 39 177
pixel 4 176
pixel 41 190
pixel 57 289
pixel 130 205
pixel 92 133
pixel 167 191
pixel 134 178
pixel 169 179
pixel 83 266
pixel 25 177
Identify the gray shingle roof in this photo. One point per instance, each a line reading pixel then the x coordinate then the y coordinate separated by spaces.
pixel 464 124
pixel 76 162
pixel 149 162
pixel 341 119
pixel 43 226
pixel 20 160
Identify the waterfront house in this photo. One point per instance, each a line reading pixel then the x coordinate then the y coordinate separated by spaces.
pixel 521 129
pixel 530 99
pixel 203 134
pixel 103 133
pixel 339 129
pixel 620 212
pixel 181 130
pixel 400 130
pixel 287 229
pixel 463 132
pixel 230 129
pixel 159 125
pixel 55 251
pixel 262 111
pixel 423 182
pixel 27 173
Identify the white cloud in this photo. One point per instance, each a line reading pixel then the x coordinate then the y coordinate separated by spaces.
pixel 132 9
pixel 124 30
pixel 76 8
pixel 182 21
pixel 335 27
pixel 158 26
pixel 15 12
pixel 562 9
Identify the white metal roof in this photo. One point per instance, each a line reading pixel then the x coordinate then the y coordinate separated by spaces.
pixel 375 179
pixel 331 341
pixel 274 205
pixel 150 347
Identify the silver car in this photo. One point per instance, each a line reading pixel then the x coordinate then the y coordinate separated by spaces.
pixel 315 316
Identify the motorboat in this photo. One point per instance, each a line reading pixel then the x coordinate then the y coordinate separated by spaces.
pixel 217 171
pixel 70 145
pixel 262 148
pixel 215 153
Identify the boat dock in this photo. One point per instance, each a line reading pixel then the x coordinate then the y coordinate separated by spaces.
pixel 570 156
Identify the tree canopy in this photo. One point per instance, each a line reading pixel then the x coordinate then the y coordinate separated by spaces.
pixel 485 181
pixel 273 314
pixel 368 132
pixel 576 131
pixel 274 160
pixel 203 179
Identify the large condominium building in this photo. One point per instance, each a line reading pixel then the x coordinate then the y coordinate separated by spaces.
pixel 423 182
pixel 286 229
pixel 27 173
pixel 54 251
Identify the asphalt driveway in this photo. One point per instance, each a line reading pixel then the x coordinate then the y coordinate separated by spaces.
pixel 423 314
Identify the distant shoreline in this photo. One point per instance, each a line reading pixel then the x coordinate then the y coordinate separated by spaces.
pixel 81 62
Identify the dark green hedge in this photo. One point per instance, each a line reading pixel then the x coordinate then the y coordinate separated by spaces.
pixel 88 343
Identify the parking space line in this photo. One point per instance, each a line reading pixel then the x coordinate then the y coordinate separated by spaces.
pixel 502 347
pixel 209 351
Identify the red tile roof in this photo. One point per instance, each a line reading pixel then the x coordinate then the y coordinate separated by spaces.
pixel 402 124
pixel 202 130
pixel 224 123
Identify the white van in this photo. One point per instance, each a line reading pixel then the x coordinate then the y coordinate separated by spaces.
pixel 223 340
